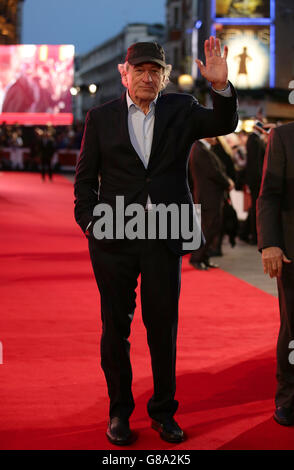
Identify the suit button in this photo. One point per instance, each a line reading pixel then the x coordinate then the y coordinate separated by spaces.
pixel 148 180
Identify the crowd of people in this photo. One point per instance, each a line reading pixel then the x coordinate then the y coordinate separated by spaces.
pixel 41 142
pixel 216 166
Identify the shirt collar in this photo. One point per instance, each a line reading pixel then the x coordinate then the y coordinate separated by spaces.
pixel 206 144
pixel 130 102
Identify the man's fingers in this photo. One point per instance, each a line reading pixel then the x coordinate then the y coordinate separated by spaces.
pixel 272 269
pixel 280 267
pixel 226 50
pixel 272 260
pixel 286 260
pixel 274 266
pixel 200 64
pixel 218 47
pixel 207 48
pixel 211 45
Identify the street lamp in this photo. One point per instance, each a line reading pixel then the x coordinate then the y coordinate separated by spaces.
pixel 186 83
pixel 74 91
pixel 92 88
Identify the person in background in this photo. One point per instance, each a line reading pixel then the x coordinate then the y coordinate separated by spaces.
pixel 210 182
pixel 16 156
pixel 229 224
pixel 275 229
pixel 255 148
pixel 47 150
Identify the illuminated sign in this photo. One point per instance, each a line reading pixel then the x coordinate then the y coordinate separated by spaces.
pixel 249 54
pixel 248 28
pixel 242 8
pixel 35 82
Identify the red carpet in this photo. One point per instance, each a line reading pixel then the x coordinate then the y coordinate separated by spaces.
pixel 53 394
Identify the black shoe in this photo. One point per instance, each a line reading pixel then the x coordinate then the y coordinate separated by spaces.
pixel 284 416
pixel 119 433
pixel 199 265
pixel 169 430
pixel 209 264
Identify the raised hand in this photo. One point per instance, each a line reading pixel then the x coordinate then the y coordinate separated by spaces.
pixel 215 70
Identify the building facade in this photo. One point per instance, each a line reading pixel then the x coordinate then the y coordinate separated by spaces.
pixel 181 35
pixel 10 21
pixel 99 66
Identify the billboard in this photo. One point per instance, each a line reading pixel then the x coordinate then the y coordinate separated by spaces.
pixel 249 54
pixel 242 8
pixel 35 82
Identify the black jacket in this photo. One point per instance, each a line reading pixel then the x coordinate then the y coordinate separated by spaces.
pixel 107 152
pixel 210 180
pixel 275 204
pixel 255 149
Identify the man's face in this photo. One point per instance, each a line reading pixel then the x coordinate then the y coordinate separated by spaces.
pixel 145 81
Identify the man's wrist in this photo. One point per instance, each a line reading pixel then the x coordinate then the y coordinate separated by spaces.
pixel 220 86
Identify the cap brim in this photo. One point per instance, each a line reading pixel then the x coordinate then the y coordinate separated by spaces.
pixel 145 59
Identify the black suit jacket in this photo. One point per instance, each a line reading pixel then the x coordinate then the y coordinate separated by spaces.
pixel 255 149
pixel 209 178
pixel 107 152
pixel 275 204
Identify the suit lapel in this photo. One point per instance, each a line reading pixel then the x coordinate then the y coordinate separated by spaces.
pixel 124 130
pixel 162 116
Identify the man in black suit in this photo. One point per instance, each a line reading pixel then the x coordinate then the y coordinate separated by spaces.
pixel 137 147
pixel 210 182
pixel 275 228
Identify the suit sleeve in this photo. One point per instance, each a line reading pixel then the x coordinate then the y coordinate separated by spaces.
pixel 86 184
pixel 220 120
pixel 255 157
pixel 217 174
pixel 208 165
pixel 269 225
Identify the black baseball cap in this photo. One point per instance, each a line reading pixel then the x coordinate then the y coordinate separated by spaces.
pixel 141 52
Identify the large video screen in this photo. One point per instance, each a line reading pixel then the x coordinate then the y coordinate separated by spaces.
pixel 242 8
pixel 35 82
pixel 249 54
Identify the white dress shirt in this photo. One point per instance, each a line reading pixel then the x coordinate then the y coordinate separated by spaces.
pixel 141 128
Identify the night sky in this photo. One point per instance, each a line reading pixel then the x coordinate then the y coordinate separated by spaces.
pixel 84 23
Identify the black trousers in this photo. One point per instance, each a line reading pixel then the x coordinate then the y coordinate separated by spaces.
pixel 211 222
pixel 285 370
pixel 117 265
pixel 254 190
